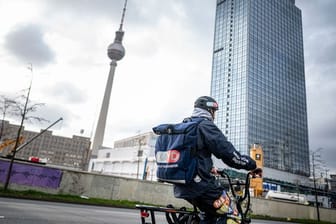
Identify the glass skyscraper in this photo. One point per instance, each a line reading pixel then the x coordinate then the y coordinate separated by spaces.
pixel 258 79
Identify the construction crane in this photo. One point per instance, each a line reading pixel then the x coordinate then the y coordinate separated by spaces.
pixel 257 154
pixel 9 142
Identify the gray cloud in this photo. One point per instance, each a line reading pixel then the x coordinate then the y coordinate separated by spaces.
pixel 27 44
pixel 52 113
pixel 328 157
pixel 321 53
pixel 317 14
pixel 202 24
pixel 66 92
pixel 86 10
pixel 138 12
pixel 322 122
pixel 322 135
pixel 319 30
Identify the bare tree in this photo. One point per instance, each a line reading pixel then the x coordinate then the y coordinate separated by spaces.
pixel 18 109
pixel 5 104
pixel 15 107
pixel 21 109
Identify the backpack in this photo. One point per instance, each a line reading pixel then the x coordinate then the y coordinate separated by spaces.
pixel 175 151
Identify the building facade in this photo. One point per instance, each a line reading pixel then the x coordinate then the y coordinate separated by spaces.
pixel 54 150
pixel 258 79
pixel 131 157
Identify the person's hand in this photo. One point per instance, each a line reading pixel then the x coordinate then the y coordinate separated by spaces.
pixel 214 171
pixel 256 173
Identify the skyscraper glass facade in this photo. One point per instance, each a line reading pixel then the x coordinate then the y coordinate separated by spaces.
pixel 258 80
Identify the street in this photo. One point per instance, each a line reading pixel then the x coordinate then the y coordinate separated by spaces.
pixel 21 211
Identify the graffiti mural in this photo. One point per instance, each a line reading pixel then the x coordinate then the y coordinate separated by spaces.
pixel 30 175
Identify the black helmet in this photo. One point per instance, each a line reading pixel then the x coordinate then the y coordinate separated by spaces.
pixel 206 103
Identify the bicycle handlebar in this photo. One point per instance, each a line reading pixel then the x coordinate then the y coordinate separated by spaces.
pixel 246 195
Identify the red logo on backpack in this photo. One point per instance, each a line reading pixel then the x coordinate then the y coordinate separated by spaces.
pixel 173 156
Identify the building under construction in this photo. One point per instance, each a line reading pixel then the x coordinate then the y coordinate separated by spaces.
pixel 53 150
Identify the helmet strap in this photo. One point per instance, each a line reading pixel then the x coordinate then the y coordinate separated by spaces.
pixel 212 112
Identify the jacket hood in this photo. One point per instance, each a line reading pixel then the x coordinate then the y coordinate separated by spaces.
pixel 199 112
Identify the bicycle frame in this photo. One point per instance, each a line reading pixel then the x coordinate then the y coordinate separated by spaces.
pixel 173 216
pixel 182 216
pixel 239 199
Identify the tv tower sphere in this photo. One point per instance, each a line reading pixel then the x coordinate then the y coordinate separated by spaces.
pixel 116 50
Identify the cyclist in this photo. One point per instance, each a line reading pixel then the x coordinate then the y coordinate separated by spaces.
pixel 203 191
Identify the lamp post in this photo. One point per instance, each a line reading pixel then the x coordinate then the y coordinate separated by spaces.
pixel 314 160
pixel 139 155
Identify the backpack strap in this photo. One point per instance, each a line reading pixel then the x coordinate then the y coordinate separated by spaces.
pixel 197 119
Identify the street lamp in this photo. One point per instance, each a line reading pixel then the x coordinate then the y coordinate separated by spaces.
pixel 315 159
pixel 139 155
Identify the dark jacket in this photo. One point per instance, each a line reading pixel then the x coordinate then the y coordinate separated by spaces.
pixel 211 141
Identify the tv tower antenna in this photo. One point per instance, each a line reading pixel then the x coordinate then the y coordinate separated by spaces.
pixel 123 15
pixel 115 52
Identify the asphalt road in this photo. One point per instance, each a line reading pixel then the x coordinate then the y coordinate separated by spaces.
pixel 20 211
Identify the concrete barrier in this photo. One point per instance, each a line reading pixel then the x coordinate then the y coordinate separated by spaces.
pixel 119 188
pixel 280 209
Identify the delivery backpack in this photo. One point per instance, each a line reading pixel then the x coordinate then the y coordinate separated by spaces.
pixel 175 151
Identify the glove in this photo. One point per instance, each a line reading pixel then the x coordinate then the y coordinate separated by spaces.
pixel 256 173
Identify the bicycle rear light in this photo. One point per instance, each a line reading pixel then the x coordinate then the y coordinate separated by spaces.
pixel 144 214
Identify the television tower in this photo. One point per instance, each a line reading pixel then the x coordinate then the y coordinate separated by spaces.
pixel 115 52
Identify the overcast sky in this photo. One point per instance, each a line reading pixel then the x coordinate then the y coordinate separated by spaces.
pixel 166 67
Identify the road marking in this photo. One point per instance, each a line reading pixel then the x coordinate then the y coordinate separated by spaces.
pixel 2 217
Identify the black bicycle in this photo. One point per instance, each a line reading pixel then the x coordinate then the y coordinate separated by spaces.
pixel 240 200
